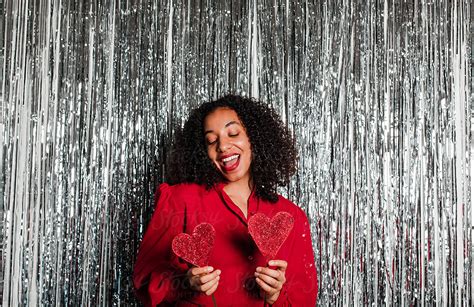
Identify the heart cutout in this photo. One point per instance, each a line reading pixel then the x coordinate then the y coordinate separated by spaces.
pixel 270 234
pixel 195 248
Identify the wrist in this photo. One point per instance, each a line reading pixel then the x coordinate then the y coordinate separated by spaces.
pixel 272 299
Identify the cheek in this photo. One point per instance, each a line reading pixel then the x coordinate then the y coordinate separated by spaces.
pixel 210 154
pixel 248 152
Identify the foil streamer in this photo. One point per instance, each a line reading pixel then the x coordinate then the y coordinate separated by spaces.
pixel 377 93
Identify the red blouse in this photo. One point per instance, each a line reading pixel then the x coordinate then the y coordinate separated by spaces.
pixel 158 274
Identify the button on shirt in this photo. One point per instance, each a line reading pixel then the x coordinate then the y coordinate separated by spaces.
pixel 159 275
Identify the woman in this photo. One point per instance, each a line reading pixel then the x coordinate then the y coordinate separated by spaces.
pixel 225 166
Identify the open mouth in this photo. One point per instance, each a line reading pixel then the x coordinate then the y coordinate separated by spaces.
pixel 230 163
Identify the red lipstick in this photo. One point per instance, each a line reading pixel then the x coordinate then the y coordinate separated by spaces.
pixel 228 168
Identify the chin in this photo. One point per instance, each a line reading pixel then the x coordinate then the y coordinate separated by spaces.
pixel 233 178
pixel 230 179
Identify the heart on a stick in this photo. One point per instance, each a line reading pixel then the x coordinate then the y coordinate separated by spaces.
pixel 195 248
pixel 270 234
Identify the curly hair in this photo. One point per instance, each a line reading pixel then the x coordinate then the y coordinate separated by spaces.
pixel 274 155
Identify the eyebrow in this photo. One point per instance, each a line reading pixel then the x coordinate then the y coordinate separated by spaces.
pixel 226 125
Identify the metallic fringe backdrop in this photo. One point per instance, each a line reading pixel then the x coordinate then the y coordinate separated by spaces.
pixel 378 94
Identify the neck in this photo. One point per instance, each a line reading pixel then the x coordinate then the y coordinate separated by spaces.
pixel 241 187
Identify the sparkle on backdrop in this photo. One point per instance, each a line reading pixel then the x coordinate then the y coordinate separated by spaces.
pixel 376 92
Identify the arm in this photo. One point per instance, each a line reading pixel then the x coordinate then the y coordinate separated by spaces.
pixel 301 286
pixel 159 276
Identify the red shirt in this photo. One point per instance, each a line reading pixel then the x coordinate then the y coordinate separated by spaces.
pixel 158 273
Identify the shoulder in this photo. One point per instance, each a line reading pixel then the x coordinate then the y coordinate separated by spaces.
pixel 181 191
pixel 174 199
pixel 181 187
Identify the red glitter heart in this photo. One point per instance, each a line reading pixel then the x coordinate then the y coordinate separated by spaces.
pixel 197 248
pixel 269 235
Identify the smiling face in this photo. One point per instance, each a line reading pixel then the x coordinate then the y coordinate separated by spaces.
pixel 228 145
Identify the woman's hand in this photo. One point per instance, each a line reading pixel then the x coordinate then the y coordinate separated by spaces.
pixel 271 281
pixel 203 279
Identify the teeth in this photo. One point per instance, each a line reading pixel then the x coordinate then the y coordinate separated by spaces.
pixel 230 158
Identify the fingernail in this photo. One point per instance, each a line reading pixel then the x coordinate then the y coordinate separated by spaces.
pixel 259 269
pixel 271 263
pixel 218 272
pixel 209 269
pixel 256 274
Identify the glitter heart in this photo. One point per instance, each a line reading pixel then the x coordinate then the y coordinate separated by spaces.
pixel 269 235
pixel 197 248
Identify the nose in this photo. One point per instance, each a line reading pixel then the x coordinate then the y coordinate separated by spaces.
pixel 224 145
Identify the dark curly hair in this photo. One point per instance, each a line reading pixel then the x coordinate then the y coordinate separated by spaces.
pixel 274 155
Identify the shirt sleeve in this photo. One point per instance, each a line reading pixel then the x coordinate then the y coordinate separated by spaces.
pixel 301 286
pixel 159 275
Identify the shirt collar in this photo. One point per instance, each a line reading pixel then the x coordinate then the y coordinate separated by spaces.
pixel 253 202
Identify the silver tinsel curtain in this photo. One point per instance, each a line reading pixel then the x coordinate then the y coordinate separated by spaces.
pixel 377 93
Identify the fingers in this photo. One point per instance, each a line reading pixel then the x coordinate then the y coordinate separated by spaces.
pixel 281 264
pixel 271 281
pixel 275 284
pixel 211 285
pixel 208 277
pixel 267 271
pixel 201 279
pixel 213 288
pixel 265 287
pixel 201 270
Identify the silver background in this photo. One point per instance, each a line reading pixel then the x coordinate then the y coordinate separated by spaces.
pixel 378 94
